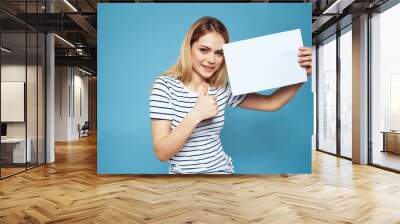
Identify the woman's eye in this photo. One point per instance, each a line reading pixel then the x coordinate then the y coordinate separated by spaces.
pixel 203 50
pixel 219 54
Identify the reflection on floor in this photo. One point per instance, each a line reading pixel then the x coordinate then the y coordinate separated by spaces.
pixel 10 169
pixel 386 159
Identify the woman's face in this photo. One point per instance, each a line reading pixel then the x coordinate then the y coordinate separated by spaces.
pixel 207 55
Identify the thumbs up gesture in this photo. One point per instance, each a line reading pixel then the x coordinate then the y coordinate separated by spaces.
pixel 206 106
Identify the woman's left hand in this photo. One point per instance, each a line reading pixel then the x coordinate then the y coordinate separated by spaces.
pixel 305 59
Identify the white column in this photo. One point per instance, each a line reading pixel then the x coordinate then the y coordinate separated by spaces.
pixel 50 100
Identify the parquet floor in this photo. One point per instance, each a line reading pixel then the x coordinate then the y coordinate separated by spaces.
pixel 70 191
pixel 10 171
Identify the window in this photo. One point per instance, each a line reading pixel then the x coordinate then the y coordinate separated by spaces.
pixel 346 93
pixel 327 96
pixel 385 89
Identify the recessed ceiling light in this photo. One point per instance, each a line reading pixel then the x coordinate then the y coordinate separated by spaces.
pixel 84 71
pixel 64 40
pixel 338 6
pixel 70 5
pixel 5 50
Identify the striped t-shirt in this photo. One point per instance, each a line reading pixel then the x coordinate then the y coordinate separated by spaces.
pixel 203 152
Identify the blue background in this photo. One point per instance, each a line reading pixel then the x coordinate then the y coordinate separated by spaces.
pixel 137 42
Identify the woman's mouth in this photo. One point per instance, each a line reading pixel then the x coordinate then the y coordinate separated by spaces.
pixel 208 68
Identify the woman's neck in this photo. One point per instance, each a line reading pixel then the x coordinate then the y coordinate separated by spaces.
pixel 195 82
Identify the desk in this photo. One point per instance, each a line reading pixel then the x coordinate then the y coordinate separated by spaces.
pixel 16 148
pixel 391 141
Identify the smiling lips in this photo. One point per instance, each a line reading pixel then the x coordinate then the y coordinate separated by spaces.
pixel 208 68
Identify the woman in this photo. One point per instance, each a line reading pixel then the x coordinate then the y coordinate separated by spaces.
pixel 188 101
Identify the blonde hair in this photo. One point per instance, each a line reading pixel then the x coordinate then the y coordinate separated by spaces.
pixel 182 69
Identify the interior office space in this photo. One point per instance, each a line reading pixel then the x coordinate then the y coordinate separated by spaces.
pixel 48 103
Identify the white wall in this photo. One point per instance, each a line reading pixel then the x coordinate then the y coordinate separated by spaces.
pixel 33 127
pixel 15 72
pixel 79 112
pixel 9 73
pixel 62 81
pixel 71 87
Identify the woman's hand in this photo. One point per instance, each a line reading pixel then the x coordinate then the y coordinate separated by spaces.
pixel 305 59
pixel 206 106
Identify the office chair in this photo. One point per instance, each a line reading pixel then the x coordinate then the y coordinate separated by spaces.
pixel 84 130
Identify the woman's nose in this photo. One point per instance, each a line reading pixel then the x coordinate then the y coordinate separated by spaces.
pixel 211 59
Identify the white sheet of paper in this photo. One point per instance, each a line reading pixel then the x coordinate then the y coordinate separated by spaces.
pixel 264 62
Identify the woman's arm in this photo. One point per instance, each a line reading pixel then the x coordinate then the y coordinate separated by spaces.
pixel 283 95
pixel 167 143
pixel 271 102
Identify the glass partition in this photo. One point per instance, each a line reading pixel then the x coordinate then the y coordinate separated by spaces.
pixel 327 95
pixel 385 89
pixel 41 87
pixel 32 94
pixel 22 88
pixel 13 109
pixel 346 93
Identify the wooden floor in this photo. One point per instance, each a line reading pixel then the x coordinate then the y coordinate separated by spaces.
pixel 387 159
pixel 70 191
pixel 5 172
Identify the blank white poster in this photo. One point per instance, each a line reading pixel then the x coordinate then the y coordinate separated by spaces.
pixel 264 62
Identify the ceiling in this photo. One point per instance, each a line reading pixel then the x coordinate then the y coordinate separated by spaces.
pixel 76 22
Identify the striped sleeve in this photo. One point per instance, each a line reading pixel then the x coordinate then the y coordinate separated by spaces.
pixel 234 101
pixel 160 101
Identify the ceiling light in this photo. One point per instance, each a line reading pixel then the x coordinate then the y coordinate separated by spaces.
pixel 84 71
pixel 5 50
pixel 79 51
pixel 65 41
pixel 70 5
pixel 338 6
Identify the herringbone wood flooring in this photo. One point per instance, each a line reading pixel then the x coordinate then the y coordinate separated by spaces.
pixel 70 191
